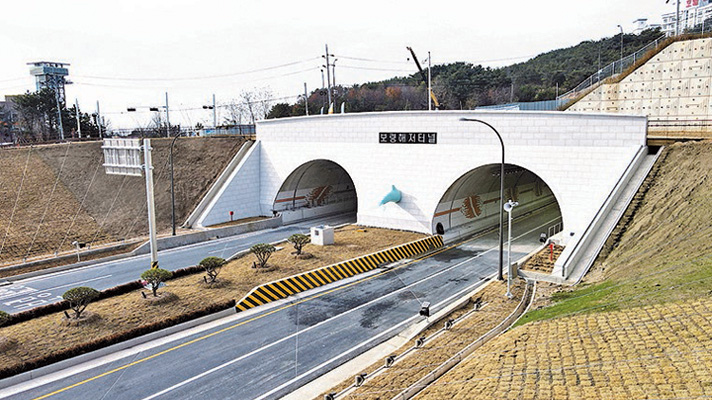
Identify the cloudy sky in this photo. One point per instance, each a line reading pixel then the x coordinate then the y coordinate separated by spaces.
pixel 130 52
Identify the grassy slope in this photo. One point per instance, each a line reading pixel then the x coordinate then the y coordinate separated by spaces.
pixel 665 254
pixel 112 207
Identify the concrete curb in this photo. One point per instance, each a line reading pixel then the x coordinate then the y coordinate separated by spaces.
pixel 71 362
pixel 66 257
pixel 443 368
pixel 163 244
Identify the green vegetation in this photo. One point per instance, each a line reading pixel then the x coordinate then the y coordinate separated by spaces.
pixel 155 277
pixel 463 85
pixel 263 251
pixel 79 298
pixel 4 317
pixel 37 118
pixel 664 253
pixel 212 267
pixel 299 240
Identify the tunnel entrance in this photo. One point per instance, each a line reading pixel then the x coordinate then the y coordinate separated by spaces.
pixel 316 188
pixel 471 204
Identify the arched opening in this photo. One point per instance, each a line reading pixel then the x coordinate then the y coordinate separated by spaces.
pixel 471 204
pixel 315 189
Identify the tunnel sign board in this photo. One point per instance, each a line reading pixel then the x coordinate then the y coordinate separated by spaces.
pixel 122 157
pixel 408 137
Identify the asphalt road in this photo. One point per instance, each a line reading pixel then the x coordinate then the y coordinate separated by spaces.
pixel 34 292
pixel 271 353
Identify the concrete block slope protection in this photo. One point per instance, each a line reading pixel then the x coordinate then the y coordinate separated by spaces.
pixel 286 287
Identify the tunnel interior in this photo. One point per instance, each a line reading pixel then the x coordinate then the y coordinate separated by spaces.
pixel 471 204
pixel 316 188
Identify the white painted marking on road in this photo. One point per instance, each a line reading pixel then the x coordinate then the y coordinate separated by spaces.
pixel 259 350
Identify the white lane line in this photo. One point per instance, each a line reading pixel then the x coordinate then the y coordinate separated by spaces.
pixel 35 290
pixel 325 363
pixel 259 350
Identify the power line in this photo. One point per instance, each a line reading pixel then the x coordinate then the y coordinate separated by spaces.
pixel 192 78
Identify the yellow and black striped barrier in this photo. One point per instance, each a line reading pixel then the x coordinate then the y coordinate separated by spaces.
pixel 282 288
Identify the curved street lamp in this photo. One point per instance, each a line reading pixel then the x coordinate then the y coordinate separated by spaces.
pixel 500 275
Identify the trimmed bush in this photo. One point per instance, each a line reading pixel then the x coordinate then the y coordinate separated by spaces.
pixel 263 251
pixel 299 240
pixel 212 266
pixel 4 318
pixel 79 298
pixel 154 277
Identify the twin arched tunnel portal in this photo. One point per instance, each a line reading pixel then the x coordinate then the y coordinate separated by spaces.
pixel 471 203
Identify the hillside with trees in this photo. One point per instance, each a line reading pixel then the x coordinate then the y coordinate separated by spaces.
pixel 462 85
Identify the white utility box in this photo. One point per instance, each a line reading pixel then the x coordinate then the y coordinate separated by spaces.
pixel 322 235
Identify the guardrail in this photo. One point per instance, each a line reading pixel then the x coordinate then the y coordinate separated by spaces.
pixel 612 69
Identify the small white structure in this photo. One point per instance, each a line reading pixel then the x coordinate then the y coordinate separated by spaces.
pixel 322 235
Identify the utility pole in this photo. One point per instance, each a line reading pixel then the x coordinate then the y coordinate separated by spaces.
pixel 333 79
pixel 168 120
pixel 79 125
pixel 306 99
pixel 677 19
pixel 328 74
pixel 430 90
pixel 98 119
pixel 215 114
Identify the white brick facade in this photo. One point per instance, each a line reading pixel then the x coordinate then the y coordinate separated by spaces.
pixel 579 156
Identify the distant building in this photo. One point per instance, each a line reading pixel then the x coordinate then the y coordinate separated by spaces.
pixel 641 24
pixel 50 74
pixel 692 14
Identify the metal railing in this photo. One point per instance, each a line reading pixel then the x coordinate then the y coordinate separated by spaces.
pixel 613 69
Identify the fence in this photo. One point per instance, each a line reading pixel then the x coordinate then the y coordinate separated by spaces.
pixel 611 70
pixel 546 105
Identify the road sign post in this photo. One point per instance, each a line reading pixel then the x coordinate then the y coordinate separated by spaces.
pixel 123 157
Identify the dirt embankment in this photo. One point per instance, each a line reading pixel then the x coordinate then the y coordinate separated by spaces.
pixel 641 325
pixel 66 196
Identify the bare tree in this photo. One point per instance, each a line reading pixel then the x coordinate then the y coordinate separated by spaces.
pixel 250 106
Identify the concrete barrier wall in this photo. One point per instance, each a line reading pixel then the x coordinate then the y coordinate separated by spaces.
pixel 282 288
pixel 202 236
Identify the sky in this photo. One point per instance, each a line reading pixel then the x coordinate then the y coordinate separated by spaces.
pixel 130 53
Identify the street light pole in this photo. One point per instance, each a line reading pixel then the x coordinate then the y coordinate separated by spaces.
pixel 168 120
pixel 621 48
pixel 509 207
pixel 500 275
pixel 173 197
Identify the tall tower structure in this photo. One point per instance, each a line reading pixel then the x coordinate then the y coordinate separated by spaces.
pixel 52 75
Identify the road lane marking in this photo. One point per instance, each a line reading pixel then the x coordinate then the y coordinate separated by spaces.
pixel 276 310
pixel 406 287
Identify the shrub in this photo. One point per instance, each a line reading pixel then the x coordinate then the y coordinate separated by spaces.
pixel 4 317
pixel 79 298
pixel 212 266
pixel 154 277
pixel 263 251
pixel 299 240
pixel 94 344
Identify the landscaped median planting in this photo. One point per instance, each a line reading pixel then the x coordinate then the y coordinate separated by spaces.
pixel 42 339
pixel 308 280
